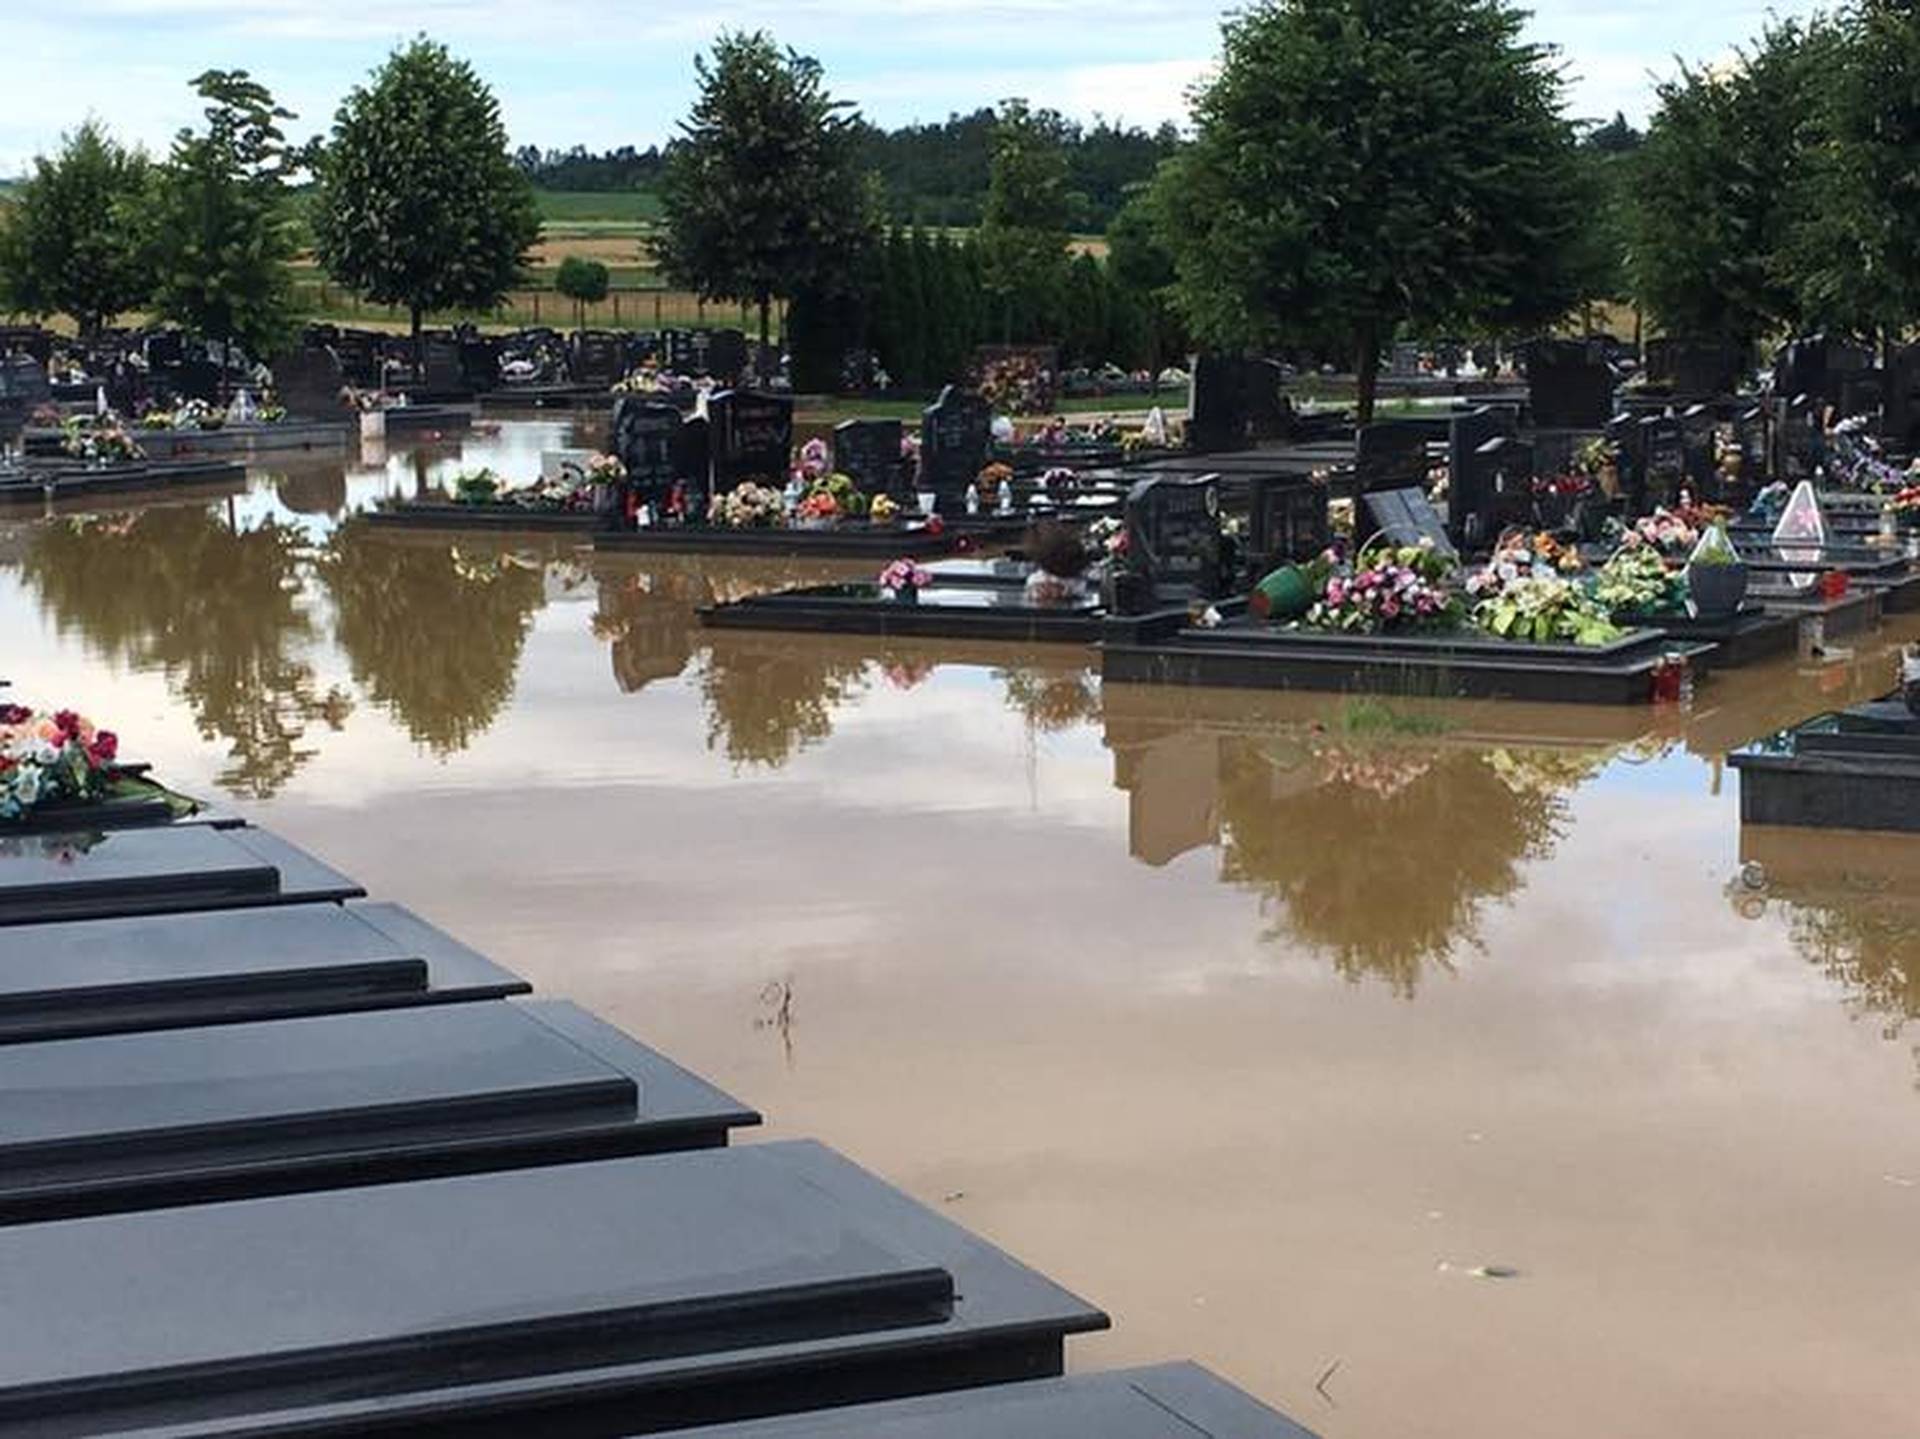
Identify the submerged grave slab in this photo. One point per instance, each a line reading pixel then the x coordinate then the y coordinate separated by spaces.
pixel 32 483
pixel 121 1122
pixel 962 610
pixel 429 515
pixel 95 874
pixel 1245 654
pixel 1167 1401
pixel 1854 769
pixel 1748 636
pixel 108 976
pixel 621 1295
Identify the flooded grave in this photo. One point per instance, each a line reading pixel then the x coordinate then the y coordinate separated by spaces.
pixel 1169 1401
pixel 950 611
pixel 1856 768
pixel 37 481
pixel 606 1296
pixel 108 976
pixel 141 871
pixel 126 1122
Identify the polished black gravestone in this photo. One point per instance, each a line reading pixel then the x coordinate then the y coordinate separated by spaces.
pixel 1391 455
pixel 1173 535
pixel 752 439
pixel 868 453
pixel 307 382
pixel 186 1116
pixel 1287 521
pixel 1664 468
pixel 723 355
pixel 1752 434
pixel 597 358
pixel 1219 408
pixel 109 976
pixel 618 1296
pixel 1167 1401
pixel 956 435
pixel 1470 477
pixel 643 437
pixel 143 871
pixel 1569 385
pixel 1406 517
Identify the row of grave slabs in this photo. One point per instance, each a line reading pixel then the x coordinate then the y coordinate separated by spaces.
pixel 280 1160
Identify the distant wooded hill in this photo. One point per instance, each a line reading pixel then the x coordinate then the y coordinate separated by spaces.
pixel 934 174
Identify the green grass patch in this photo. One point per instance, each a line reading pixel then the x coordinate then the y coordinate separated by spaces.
pixel 1370 717
pixel 831 412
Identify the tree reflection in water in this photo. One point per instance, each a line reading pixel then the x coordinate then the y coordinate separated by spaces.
pixel 647 618
pixel 1383 856
pixel 433 633
pixel 768 697
pixel 1052 701
pixel 214 609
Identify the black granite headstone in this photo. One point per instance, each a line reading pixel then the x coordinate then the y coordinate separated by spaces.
pixel 30 340
pixel 597 358
pixel 1173 533
pixel 23 389
pixel 1287 521
pixel 1569 385
pixel 956 433
pixel 359 352
pixel 1802 441
pixel 1391 455
pixel 1752 433
pixel 752 438
pixel 1900 415
pixel 1471 475
pixel 868 452
pixel 693 458
pixel 1697 431
pixel 1218 413
pixel 706 1286
pixel 1665 470
pixel 1695 369
pixel 195 378
pixel 644 433
pixel 308 381
pixel 1269 412
pixel 726 355
pixel 443 372
pixel 165 349
pixel 479 362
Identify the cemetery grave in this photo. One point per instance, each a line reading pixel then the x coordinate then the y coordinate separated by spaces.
pixel 1857 768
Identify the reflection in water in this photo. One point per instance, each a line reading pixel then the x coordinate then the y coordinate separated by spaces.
pixel 433 633
pixel 1851 908
pixel 313 490
pixel 768 697
pixel 216 610
pixel 1052 700
pixel 647 617
pixel 1379 854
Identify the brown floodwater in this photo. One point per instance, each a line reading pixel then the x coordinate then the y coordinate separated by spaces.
pixel 1269 1037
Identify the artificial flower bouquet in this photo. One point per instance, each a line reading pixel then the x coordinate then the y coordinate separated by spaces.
pixel 1388 588
pixel 101 437
pixel 904 579
pixel 47 757
pixel 751 507
pixel 1637 581
pixel 1523 594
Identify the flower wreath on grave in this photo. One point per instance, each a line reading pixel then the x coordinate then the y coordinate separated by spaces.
pixel 1637 581
pixel 1523 594
pixel 748 506
pixel 1387 589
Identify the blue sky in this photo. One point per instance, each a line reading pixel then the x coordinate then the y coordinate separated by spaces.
pixel 608 72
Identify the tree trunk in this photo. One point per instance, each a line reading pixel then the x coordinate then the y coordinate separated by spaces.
pixel 419 356
pixel 765 367
pixel 1366 370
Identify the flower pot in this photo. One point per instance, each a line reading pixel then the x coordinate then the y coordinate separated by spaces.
pixel 1717 590
pixel 1284 595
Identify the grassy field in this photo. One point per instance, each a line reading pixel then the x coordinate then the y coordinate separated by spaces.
pixel 581 207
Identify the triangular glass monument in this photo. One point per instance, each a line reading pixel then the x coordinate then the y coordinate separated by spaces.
pixel 1801 535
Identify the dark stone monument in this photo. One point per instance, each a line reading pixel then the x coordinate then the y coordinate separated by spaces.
pixel 1900 411
pixel 1569 385
pixel 868 452
pixel 1664 470
pixel 359 352
pixel 30 340
pixel 677 351
pixel 1403 517
pixel 443 373
pixel 165 349
pixel 752 438
pixel 196 378
pixel 23 389
pixel 1752 433
pixel 308 381
pixel 597 358
pixel 1173 535
pixel 1696 369
pixel 479 362
pixel 693 455
pixel 726 355
pixel 1391 455
pixel 956 435
pixel 1218 412
pixel 1287 521
pixel 1269 411
pixel 643 436
pixel 1472 476
pixel 1802 445
pixel 1697 431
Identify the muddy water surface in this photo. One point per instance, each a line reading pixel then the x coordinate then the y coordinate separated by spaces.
pixel 1274 1038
